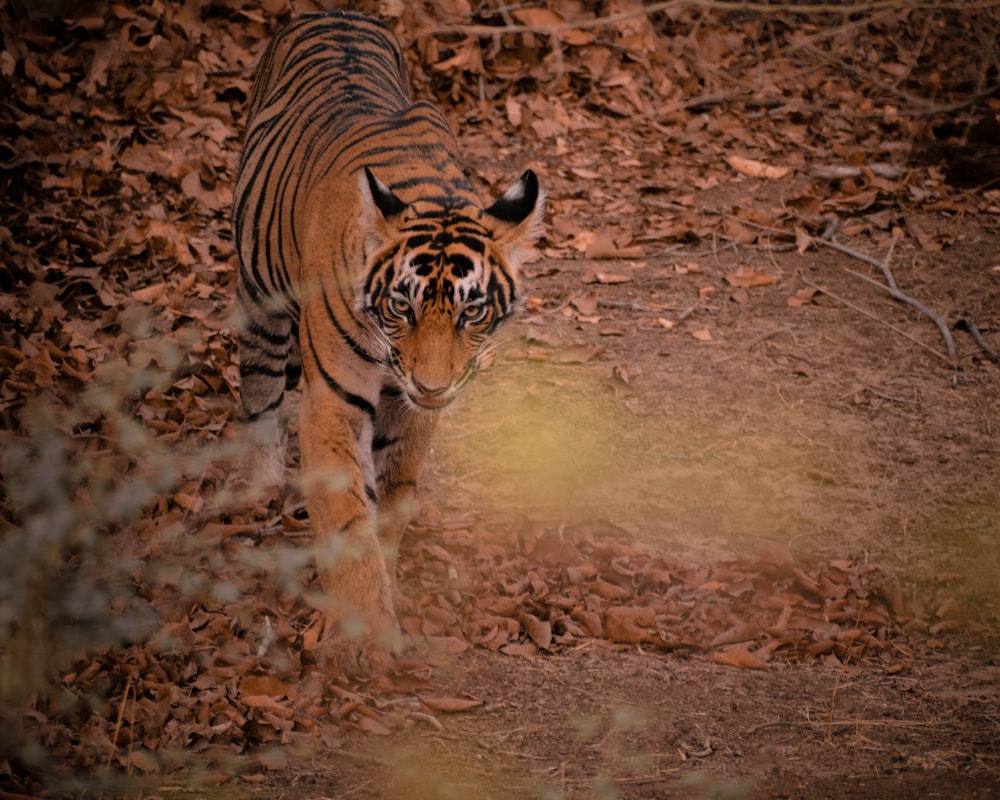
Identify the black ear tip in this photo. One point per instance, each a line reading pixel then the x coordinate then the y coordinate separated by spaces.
pixel 385 199
pixel 519 201
pixel 529 183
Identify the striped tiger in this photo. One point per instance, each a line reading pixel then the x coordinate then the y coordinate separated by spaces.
pixel 369 268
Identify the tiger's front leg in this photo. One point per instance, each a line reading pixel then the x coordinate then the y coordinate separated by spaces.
pixel 361 632
pixel 402 437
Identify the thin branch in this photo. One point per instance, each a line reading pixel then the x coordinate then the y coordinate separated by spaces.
pixel 968 324
pixel 875 317
pixel 892 288
pixel 743 6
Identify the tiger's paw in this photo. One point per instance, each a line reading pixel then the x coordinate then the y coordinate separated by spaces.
pixel 360 657
pixel 260 447
pixel 261 466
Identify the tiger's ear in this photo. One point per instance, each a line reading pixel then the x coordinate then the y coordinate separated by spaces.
pixel 381 210
pixel 517 215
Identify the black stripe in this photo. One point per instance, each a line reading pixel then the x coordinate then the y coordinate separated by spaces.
pixel 292 375
pixel 353 399
pixel 351 341
pixel 381 442
pixel 389 488
pixel 249 369
pixel 272 406
pixel 255 328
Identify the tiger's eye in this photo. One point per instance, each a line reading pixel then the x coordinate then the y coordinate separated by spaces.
pixel 474 314
pixel 400 307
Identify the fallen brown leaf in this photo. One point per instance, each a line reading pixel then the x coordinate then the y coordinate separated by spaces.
pixel 750 278
pixel 579 353
pixel 756 169
pixel 738 658
pixel 595 275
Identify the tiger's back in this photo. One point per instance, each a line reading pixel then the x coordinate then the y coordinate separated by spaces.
pixel 327 88
pixel 368 266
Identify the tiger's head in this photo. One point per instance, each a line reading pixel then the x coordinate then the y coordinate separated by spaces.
pixel 439 285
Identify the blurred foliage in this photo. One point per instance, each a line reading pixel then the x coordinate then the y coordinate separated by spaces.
pixel 73 476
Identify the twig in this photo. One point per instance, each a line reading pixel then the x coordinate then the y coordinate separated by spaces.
pixel 845 723
pixel 616 304
pixel 892 288
pixel 118 726
pixel 121 712
pixel 687 312
pixel 968 324
pixel 875 317
pixel 927 106
pixel 746 5
pixel 843 248
pixel 891 397
pixel 430 719
pixel 840 672
pixel 839 171
pixel 765 336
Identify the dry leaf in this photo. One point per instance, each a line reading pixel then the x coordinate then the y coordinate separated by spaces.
pixel 736 231
pixel 579 353
pixel 537 17
pixel 523 650
pixel 750 278
pixel 586 303
pixel 738 658
pixel 263 701
pixel 603 247
pixel 370 725
pixel 266 685
pixel 538 630
pixel 802 239
pixel 756 169
pixel 632 625
pixel 151 294
pixel 620 372
pixel 142 760
pixel 802 297
pixel 447 644
pixel 595 275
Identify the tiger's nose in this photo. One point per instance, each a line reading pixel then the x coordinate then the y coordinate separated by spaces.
pixel 430 390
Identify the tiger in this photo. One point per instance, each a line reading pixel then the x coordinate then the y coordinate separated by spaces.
pixel 370 271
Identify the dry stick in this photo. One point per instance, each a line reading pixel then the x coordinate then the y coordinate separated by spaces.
pixel 836 680
pixel 118 724
pixel 875 317
pixel 845 723
pixel 894 290
pixel 968 324
pixel 867 7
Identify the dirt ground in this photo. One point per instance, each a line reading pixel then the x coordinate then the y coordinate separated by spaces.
pixel 815 427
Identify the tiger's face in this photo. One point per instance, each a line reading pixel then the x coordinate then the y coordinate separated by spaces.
pixel 438 287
